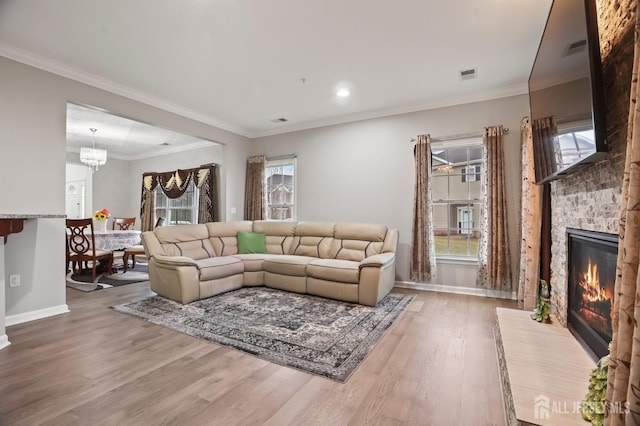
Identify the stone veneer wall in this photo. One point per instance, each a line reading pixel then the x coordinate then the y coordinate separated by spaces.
pixel 591 198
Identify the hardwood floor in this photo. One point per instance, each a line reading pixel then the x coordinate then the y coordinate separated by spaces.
pixel 436 366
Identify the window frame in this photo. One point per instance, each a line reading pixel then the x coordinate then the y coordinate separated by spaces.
pixel 168 209
pixel 278 162
pixel 456 203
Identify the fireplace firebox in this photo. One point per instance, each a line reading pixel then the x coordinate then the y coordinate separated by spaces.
pixel 592 274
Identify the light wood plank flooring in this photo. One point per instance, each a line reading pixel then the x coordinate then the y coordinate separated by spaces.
pixel 437 365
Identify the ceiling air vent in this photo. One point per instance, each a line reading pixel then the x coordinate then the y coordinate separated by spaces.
pixel 468 74
pixel 279 120
pixel 575 47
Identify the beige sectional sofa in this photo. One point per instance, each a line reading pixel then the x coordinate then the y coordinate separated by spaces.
pixel 353 262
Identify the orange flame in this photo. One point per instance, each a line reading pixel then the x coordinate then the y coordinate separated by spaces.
pixel 590 282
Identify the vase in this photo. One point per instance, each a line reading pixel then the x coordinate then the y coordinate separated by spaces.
pixel 100 225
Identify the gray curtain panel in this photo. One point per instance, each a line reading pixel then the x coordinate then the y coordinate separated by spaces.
pixel 423 258
pixel 254 191
pixel 494 267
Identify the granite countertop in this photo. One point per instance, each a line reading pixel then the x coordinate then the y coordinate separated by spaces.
pixel 31 216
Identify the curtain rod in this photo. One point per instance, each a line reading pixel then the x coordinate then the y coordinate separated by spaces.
pixel 462 136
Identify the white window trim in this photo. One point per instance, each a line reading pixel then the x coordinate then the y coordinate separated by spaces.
pixel 167 209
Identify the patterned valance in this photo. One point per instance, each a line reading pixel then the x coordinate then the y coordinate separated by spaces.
pixel 174 184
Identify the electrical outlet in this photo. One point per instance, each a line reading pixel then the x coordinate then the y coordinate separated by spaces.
pixel 14 280
pixel 234 210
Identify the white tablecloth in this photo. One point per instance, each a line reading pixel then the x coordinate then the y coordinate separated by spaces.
pixel 116 240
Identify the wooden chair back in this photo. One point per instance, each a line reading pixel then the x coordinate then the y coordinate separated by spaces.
pixel 123 223
pixel 79 241
pixel 81 247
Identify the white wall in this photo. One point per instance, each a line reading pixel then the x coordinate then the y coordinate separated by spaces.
pixel 33 107
pixel 364 171
pixel 77 172
pixel 4 340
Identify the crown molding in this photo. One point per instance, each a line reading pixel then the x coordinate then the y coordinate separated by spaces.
pixel 486 95
pixel 75 74
pixel 40 62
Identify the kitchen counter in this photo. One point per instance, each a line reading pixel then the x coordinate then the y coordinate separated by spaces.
pixel 11 223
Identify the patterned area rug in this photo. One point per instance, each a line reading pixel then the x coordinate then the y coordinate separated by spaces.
pixel 317 335
pixel 82 281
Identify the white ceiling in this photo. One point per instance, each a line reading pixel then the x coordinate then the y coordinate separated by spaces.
pixel 123 138
pixel 238 64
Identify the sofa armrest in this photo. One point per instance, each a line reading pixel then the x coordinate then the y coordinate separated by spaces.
pixel 152 246
pixel 173 261
pixel 378 260
pixel 377 278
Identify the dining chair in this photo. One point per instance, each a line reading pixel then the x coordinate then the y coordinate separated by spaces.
pixel 123 223
pixel 81 247
pixel 137 249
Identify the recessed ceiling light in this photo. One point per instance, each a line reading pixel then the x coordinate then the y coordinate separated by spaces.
pixel 343 93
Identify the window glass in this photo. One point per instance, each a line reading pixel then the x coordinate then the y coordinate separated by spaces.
pixel 280 185
pixel 456 196
pixel 177 211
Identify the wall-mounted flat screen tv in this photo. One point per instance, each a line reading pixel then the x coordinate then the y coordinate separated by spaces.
pixel 566 94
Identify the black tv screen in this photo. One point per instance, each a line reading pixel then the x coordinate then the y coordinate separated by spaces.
pixel 566 94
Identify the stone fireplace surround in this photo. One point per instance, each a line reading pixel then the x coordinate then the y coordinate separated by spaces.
pixel 591 199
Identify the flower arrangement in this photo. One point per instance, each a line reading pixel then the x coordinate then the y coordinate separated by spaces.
pixel 102 214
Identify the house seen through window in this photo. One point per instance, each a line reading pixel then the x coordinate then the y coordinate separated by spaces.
pixel 456 196
pixel 178 211
pixel 280 185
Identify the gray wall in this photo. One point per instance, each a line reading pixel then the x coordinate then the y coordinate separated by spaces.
pixel 33 110
pixel 364 171
pixel 117 184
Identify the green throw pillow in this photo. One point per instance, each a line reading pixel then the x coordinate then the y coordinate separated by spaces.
pixel 251 242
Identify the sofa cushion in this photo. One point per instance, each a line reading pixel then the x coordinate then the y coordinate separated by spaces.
pixel 287 265
pixel 356 250
pixel 252 262
pixel 215 268
pixel 223 235
pixel 345 271
pixel 185 240
pixel 356 241
pixel 360 231
pixel 313 239
pixel 279 235
pixel 251 242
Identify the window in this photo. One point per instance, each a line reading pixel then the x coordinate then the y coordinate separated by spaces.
pixel 178 211
pixel 471 174
pixel 280 183
pixel 456 196
pixel 574 144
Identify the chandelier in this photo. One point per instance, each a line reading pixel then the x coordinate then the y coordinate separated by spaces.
pixel 444 169
pixel 93 157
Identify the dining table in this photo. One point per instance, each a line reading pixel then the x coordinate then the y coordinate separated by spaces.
pixel 116 239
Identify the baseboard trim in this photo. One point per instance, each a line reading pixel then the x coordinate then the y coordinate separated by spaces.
pixel 4 341
pixel 36 315
pixel 470 291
